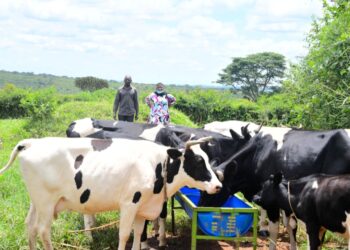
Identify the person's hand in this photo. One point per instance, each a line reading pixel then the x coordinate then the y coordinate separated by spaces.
pixel 114 117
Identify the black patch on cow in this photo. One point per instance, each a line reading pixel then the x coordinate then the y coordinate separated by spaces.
pixel 99 145
pixel 78 161
pixel 194 166
pixel 159 183
pixel 69 131
pixel 85 196
pixel 78 179
pixel 137 197
pixel 164 212
pixel 321 136
pixel 20 147
pixel 172 169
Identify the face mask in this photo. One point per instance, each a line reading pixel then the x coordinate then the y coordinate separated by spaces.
pixel 159 91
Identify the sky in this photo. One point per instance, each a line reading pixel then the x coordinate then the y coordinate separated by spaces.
pixel 169 41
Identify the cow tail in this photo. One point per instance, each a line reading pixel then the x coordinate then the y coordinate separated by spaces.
pixel 19 147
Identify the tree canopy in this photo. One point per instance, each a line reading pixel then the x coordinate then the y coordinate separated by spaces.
pixel 321 82
pixel 254 74
pixel 90 83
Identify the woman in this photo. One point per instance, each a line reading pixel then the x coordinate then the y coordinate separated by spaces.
pixel 159 101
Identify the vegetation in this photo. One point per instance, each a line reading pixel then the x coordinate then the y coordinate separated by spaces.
pixel 314 93
pixel 90 83
pixel 255 74
pixel 321 82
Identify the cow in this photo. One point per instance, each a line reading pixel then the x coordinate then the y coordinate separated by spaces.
pixel 301 153
pixel 218 150
pixel 224 128
pixel 93 175
pixel 321 201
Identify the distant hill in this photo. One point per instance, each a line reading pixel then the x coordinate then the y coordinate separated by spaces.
pixel 30 80
pixel 65 84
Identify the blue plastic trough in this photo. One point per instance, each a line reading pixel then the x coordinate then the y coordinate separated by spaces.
pixel 219 224
pixel 229 222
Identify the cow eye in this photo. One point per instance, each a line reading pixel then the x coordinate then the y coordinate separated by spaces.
pixel 199 159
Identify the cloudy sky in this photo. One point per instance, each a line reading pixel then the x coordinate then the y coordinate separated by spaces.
pixel 178 42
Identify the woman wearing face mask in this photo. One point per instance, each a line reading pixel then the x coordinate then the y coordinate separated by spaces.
pixel 159 101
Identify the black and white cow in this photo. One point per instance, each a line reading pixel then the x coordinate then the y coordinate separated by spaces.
pixel 301 153
pixel 321 201
pixel 218 150
pixel 93 175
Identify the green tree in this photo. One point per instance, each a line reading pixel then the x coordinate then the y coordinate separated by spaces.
pixel 90 83
pixel 321 82
pixel 254 74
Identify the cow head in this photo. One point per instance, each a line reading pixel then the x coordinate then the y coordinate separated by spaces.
pixel 195 167
pixel 82 128
pixel 220 148
pixel 239 172
pixel 268 195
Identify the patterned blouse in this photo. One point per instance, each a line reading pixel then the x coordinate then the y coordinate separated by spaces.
pixel 159 104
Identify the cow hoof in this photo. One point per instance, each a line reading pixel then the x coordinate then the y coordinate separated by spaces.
pixel 264 233
pixel 145 245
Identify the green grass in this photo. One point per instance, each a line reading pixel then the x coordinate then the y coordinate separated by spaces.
pixel 14 200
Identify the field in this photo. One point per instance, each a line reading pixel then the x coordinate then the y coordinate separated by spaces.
pixel 14 201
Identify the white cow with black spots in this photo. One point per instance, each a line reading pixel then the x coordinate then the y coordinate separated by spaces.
pixel 91 175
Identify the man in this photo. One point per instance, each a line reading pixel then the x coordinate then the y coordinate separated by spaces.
pixel 127 101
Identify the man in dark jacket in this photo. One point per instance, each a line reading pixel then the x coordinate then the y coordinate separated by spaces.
pixel 127 101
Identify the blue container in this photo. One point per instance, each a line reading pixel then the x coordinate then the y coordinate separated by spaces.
pixel 219 224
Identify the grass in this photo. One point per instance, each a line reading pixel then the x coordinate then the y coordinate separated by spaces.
pixel 14 200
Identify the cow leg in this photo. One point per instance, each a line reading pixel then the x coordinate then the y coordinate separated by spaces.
pixel 321 235
pixel 43 222
pixel 292 231
pixel 144 243
pixel 313 236
pixel 138 228
pixel 156 227
pixel 126 220
pixel 31 227
pixel 162 220
pixel 89 222
pixel 273 229
pixel 263 225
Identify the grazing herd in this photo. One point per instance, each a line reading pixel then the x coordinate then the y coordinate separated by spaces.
pixel 134 168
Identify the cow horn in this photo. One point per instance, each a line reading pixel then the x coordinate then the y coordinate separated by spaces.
pixel 204 139
pixel 258 129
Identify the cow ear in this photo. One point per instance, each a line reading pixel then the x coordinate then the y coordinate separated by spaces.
pixel 245 132
pixel 174 153
pixel 277 178
pixel 234 135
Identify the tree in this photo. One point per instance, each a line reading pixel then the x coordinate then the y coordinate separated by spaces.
pixel 90 83
pixel 321 82
pixel 254 74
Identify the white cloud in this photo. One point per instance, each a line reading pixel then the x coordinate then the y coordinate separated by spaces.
pixel 156 38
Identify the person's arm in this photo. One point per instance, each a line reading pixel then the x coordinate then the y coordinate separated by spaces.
pixel 116 105
pixel 136 104
pixel 171 99
pixel 149 101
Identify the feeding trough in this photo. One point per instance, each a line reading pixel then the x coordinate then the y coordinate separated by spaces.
pixel 229 222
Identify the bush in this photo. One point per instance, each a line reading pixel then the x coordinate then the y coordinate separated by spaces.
pixel 10 102
pixel 90 83
pixel 40 104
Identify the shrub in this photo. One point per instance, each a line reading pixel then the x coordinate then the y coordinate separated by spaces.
pixel 40 104
pixel 10 102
